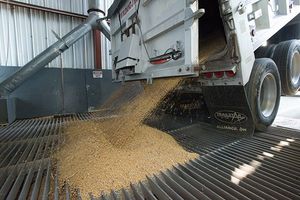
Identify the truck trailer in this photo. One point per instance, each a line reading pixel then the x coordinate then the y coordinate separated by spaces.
pixel 242 81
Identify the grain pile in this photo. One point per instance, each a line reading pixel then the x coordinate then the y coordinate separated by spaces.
pixel 211 45
pixel 102 155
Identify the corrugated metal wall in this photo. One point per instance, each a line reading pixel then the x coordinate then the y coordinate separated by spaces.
pixel 26 32
pixel 75 6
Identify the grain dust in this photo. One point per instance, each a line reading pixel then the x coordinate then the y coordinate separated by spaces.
pixel 99 156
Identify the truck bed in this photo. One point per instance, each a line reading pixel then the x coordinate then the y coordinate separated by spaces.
pixel 229 166
pixel 210 45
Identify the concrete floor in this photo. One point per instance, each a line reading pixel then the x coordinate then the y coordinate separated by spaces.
pixel 289 112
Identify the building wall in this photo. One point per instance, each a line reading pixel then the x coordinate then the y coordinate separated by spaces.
pixel 76 6
pixel 26 32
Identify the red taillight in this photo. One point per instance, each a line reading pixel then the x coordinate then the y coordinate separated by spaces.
pixel 159 62
pixel 208 75
pixel 219 74
pixel 230 74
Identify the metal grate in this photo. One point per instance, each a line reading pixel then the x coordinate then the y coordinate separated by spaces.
pixel 24 159
pixel 265 166
pixel 25 148
pixel 203 138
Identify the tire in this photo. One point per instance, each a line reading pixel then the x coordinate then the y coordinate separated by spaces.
pixel 263 92
pixel 265 52
pixel 287 58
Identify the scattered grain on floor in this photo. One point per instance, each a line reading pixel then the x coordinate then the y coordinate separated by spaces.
pixel 102 155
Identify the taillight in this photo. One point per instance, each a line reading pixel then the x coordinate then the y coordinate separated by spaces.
pixel 159 62
pixel 230 74
pixel 219 74
pixel 208 75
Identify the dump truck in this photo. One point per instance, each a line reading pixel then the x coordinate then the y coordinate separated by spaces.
pixel 255 61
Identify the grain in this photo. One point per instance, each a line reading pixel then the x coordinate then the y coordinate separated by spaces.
pixel 211 45
pixel 98 156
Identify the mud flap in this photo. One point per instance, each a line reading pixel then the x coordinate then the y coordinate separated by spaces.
pixel 229 109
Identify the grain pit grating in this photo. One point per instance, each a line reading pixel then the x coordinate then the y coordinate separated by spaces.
pixel 265 166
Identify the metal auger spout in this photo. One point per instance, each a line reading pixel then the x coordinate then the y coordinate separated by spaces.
pixel 94 21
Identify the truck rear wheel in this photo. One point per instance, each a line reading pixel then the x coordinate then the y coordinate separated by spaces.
pixel 287 58
pixel 263 92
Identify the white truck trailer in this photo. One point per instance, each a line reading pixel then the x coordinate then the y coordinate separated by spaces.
pixel 157 39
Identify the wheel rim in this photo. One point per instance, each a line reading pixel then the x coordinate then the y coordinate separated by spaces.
pixel 295 71
pixel 268 95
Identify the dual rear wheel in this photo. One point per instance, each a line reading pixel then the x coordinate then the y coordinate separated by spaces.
pixel 287 58
pixel 275 72
pixel 263 91
pixel 286 55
